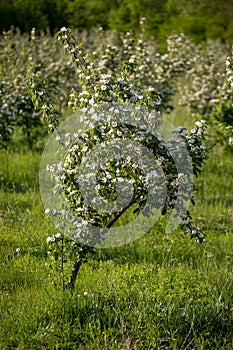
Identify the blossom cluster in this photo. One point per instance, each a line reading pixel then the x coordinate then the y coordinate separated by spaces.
pixel 207 89
pixel 150 71
pixel 22 56
pixel 203 76
pixel 223 104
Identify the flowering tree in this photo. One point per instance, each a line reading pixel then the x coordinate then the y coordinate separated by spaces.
pixel 21 56
pixel 223 104
pixel 116 154
pixel 207 91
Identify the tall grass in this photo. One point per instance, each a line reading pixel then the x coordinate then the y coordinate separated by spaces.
pixel 162 291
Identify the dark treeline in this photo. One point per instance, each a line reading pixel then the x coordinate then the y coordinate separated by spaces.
pixel 199 19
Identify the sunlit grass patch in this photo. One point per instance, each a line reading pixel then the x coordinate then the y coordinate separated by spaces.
pixel 161 291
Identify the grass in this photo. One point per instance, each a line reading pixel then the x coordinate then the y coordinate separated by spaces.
pixel 162 291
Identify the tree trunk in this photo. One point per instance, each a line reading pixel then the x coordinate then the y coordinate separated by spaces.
pixel 82 257
pixel 74 272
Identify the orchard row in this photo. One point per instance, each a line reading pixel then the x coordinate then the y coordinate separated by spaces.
pixel 202 76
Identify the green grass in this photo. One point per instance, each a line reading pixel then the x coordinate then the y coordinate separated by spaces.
pixel 162 291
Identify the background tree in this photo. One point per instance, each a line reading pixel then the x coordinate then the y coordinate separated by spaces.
pixel 200 20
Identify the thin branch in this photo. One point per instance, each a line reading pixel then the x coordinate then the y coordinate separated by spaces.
pixel 112 222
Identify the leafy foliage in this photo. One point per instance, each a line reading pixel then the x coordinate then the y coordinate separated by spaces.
pixel 200 20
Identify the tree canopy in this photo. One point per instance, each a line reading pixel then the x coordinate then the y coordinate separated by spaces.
pixel 199 19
